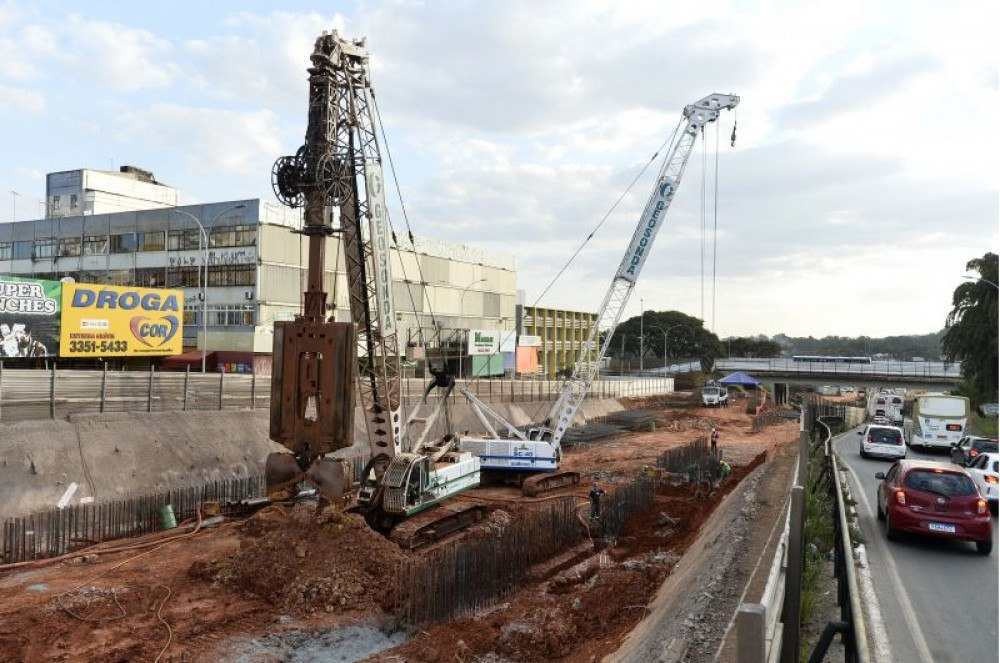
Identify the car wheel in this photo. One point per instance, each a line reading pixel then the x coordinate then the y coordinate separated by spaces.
pixel 861 451
pixel 984 547
pixel 890 532
pixel 879 513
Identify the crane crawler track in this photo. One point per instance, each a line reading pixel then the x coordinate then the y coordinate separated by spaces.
pixel 436 523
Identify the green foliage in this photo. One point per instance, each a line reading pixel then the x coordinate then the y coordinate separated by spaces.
pixel 818 537
pixel 971 332
pixel 750 346
pixel 985 426
pixel 685 336
pixel 902 348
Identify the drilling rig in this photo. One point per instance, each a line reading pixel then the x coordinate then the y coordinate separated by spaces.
pixel 319 364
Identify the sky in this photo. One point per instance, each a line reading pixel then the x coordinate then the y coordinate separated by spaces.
pixel 863 178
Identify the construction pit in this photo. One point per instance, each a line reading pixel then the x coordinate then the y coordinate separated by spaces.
pixel 536 580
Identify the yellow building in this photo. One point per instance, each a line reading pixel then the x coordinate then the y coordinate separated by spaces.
pixel 562 334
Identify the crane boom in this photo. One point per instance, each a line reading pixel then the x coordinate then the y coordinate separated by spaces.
pixel 540 449
pixel 696 115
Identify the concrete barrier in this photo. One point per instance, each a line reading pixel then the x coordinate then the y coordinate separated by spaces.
pixel 114 454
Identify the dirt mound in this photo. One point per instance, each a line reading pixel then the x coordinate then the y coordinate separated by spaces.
pixel 303 560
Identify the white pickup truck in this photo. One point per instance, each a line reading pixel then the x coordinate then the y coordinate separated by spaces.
pixel 713 395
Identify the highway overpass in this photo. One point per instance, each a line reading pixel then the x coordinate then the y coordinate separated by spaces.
pixel 909 374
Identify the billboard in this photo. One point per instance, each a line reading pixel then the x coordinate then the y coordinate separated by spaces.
pixel 29 317
pixel 483 342
pixel 120 321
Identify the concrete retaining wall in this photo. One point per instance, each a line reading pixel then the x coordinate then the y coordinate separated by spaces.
pixel 109 455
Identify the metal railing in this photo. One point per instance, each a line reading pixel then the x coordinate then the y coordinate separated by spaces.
pixel 918 369
pixel 768 626
pixel 58 393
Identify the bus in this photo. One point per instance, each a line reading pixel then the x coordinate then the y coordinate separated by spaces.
pixel 821 359
pixel 939 420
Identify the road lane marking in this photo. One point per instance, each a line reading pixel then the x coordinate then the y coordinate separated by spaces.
pixel 909 615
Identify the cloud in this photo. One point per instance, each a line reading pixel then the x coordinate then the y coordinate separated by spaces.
pixel 21 99
pixel 854 91
pixel 209 141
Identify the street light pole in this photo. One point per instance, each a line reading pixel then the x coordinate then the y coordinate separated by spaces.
pixel 203 247
pixel 461 308
pixel 13 205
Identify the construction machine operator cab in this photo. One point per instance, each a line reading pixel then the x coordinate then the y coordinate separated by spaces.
pixel 540 434
pixel 417 480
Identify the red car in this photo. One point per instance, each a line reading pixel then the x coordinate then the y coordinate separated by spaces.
pixel 933 499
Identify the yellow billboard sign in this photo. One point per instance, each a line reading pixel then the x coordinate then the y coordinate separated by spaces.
pixel 120 321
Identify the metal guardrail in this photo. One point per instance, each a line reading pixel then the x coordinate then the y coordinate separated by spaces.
pixel 767 629
pixel 58 393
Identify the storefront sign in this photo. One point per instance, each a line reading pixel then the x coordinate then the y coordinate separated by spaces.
pixel 483 342
pixel 120 321
pixel 29 317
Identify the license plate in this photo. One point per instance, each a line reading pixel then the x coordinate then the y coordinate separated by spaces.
pixel 941 527
pixel 942 437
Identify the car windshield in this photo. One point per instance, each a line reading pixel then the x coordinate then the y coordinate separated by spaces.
pixel 884 436
pixel 710 391
pixel 985 446
pixel 948 484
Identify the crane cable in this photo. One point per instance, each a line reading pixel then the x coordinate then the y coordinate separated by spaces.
pixel 704 168
pixel 715 223
pixel 607 214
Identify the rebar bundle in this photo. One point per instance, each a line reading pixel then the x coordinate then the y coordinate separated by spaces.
pixel 58 531
pixel 476 571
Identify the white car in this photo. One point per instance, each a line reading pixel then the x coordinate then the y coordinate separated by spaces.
pixel 884 441
pixel 984 472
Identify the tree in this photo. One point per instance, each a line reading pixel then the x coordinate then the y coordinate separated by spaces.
pixel 685 337
pixel 751 346
pixel 971 329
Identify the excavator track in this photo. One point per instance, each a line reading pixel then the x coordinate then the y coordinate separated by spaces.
pixel 436 523
pixel 538 484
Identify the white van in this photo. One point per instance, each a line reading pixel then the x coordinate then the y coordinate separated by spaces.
pixel 939 420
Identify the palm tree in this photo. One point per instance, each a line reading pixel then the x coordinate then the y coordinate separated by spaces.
pixel 971 335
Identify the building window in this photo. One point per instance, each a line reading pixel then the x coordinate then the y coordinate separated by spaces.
pixel 151 277
pixel 73 202
pixel 44 248
pixel 119 277
pixel 69 247
pixel 55 203
pixel 151 241
pixel 225 236
pixel 95 245
pixel 233 315
pixel 6 250
pixel 183 277
pixel 183 240
pixel 123 243
pixel 231 275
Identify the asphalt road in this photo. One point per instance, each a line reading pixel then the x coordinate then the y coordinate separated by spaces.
pixel 938 599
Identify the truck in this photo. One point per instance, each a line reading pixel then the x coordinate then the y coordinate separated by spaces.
pixel 714 394
pixel 938 421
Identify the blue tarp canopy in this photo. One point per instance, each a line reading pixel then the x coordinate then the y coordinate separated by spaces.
pixel 740 378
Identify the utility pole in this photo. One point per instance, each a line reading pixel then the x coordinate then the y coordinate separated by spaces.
pixel 13 205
